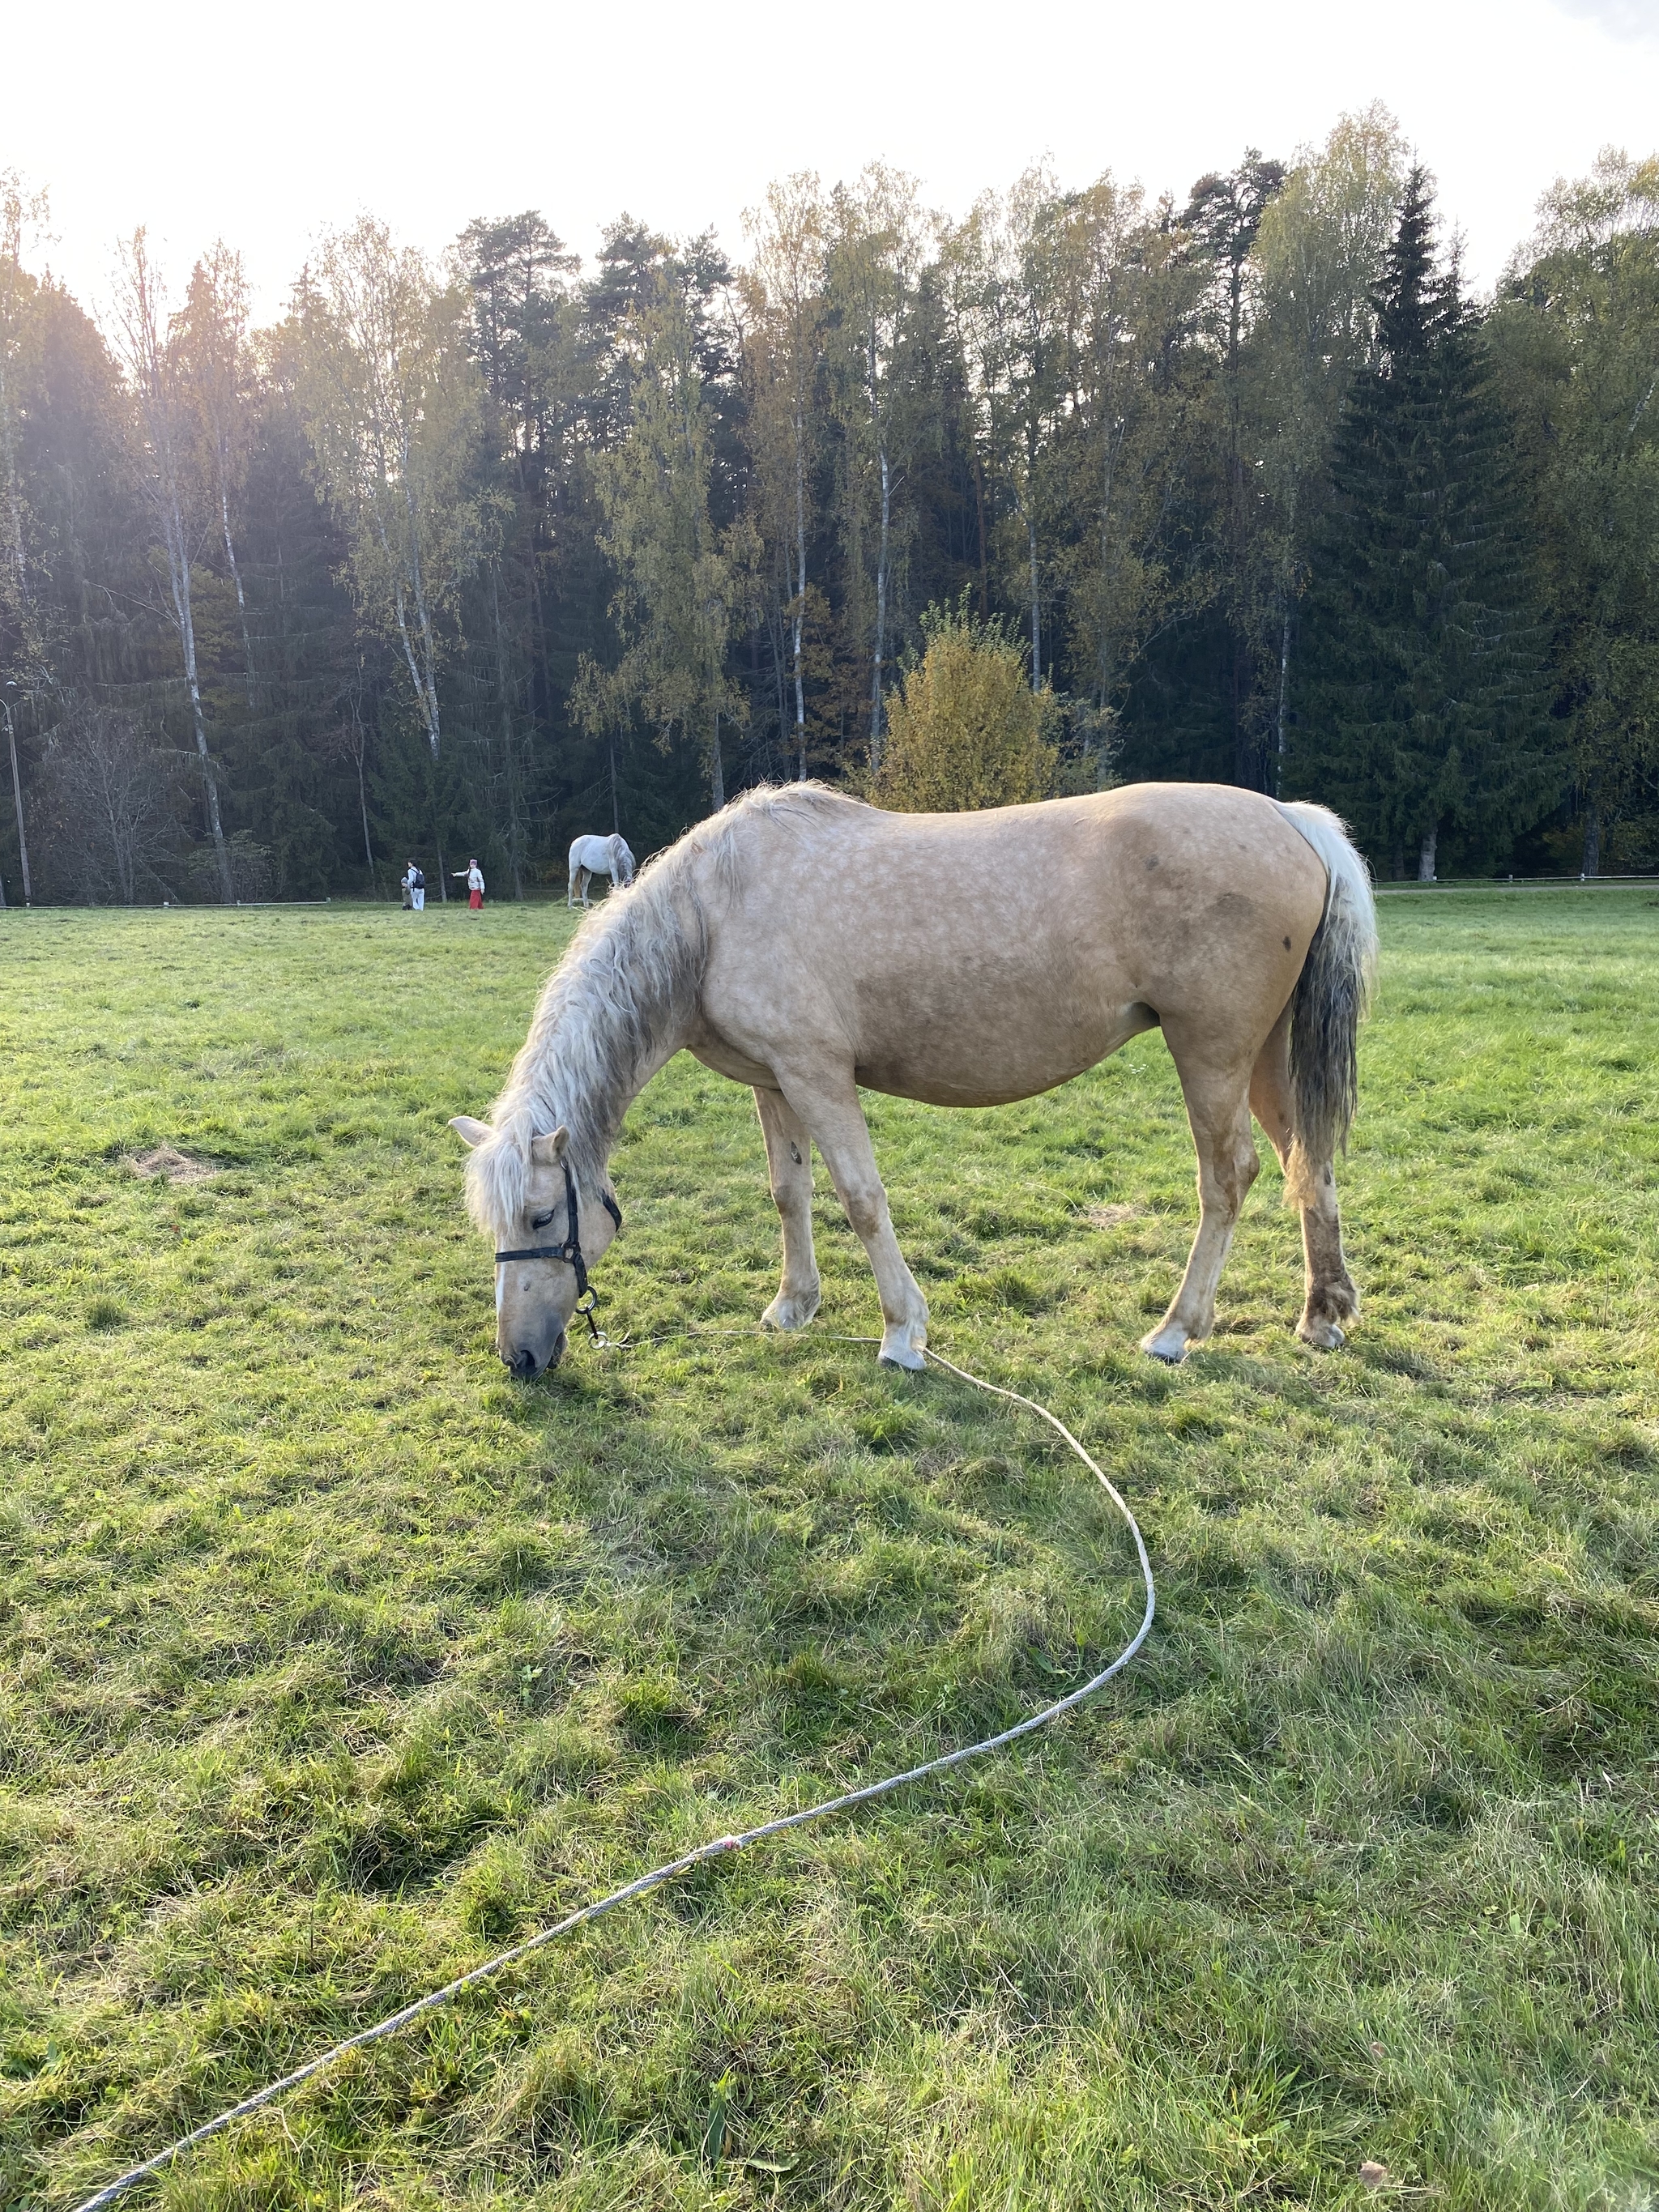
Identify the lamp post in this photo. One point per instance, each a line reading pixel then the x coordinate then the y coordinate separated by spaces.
pixel 7 694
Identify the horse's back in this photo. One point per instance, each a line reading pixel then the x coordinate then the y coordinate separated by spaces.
pixel 1192 834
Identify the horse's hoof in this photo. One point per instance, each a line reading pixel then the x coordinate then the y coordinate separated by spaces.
pixel 897 1351
pixel 1168 1345
pixel 1322 1336
pixel 790 1313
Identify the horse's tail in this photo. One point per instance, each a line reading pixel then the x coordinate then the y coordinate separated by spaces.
pixel 1330 1000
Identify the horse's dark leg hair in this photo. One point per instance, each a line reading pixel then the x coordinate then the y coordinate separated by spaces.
pixel 1331 1298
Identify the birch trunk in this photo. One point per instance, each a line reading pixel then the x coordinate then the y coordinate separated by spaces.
pixel 777 637
pixel 426 697
pixel 17 801
pixel 1284 700
pixel 400 610
pixel 13 500
pixel 800 585
pixel 178 578
pixel 235 575
pixel 428 657
pixel 878 429
pixel 1037 608
pixel 881 612
pixel 509 748
pixel 362 808
pixel 979 503
pixel 1426 857
pixel 716 770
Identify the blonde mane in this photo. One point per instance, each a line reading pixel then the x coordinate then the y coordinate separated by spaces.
pixel 618 1001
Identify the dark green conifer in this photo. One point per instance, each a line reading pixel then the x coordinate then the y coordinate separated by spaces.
pixel 1420 714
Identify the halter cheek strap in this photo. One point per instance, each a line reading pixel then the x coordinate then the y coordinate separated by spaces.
pixel 571 1250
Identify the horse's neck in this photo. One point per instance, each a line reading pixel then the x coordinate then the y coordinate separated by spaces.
pixel 596 1045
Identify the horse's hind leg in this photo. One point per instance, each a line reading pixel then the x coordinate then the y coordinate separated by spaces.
pixel 1331 1298
pixel 832 1112
pixel 1218 1112
pixel 789 1165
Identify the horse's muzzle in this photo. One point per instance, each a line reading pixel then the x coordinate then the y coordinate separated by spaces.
pixel 524 1365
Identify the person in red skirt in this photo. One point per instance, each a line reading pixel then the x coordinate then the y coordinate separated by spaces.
pixel 472 875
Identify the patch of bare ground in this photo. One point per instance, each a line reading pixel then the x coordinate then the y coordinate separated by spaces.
pixel 1108 1217
pixel 168 1161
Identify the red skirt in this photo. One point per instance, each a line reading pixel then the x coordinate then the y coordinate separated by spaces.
pixel 474 899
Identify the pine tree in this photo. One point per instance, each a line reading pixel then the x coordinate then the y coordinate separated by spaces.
pixel 1420 708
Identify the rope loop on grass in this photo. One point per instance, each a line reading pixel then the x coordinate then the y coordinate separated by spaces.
pixel 721 1844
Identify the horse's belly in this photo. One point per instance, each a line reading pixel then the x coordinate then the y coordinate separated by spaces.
pixel 725 1058
pixel 972 1068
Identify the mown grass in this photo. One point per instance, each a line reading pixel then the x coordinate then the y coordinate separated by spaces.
pixel 331 1658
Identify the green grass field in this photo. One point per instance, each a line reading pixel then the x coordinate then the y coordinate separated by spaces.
pixel 331 1659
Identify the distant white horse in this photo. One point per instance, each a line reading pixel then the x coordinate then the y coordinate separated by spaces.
pixel 1240 927
pixel 597 856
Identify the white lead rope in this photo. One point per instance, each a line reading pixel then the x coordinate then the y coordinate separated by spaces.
pixel 721 1844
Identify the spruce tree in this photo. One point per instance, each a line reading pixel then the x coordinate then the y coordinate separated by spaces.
pixel 1420 714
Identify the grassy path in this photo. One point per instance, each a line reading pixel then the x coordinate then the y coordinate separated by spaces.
pixel 329 1658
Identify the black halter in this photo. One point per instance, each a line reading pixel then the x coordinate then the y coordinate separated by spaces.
pixel 571 1250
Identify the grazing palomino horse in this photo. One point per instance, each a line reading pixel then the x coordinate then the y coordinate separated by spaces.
pixel 1242 927
pixel 597 856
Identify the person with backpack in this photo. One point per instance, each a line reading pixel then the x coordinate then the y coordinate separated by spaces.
pixel 415 889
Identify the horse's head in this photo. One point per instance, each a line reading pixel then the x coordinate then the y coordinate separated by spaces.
pixel 548 1229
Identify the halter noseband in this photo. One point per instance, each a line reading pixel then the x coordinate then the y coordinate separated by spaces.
pixel 571 1250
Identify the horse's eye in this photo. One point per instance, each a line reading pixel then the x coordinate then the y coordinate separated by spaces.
pixel 542 1220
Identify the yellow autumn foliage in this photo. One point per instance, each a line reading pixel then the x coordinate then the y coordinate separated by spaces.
pixel 966 730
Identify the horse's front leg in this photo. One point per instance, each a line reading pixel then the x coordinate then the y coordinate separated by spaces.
pixel 828 1105
pixel 1218 1112
pixel 789 1166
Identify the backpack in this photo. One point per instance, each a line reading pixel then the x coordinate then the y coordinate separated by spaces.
pixel 416 880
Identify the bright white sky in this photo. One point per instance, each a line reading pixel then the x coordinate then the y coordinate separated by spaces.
pixel 267 124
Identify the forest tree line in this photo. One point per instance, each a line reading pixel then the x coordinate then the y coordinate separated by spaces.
pixel 468 557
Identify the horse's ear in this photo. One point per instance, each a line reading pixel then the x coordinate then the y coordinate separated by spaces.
pixel 471 1133
pixel 547 1151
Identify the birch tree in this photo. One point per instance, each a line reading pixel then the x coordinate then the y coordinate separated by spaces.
pixel 392 404
pixel 167 454
pixel 211 335
pixel 1003 274
pixel 1133 426
pixel 1576 333
pixel 681 580
pixel 877 246
pixel 20 211
pixel 787 278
